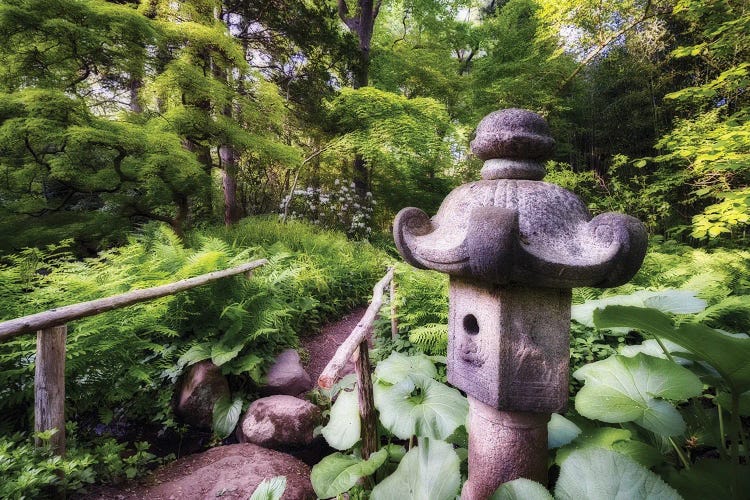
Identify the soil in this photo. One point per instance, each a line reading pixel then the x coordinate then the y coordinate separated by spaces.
pixel 194 477
pixel 322 347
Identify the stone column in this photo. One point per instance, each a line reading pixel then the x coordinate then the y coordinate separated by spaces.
pixel 514 246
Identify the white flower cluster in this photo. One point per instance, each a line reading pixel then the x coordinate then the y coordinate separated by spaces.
pixel 337 208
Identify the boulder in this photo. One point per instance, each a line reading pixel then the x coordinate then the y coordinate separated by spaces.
pixel 232 471
pixel 287 376
pixel 279 422
pixel 201 387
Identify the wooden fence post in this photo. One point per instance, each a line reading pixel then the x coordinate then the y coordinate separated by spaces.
pixel 366 402
pixel 392 298
pixel 49 385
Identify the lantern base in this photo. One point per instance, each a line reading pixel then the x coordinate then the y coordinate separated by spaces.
pixel 503 446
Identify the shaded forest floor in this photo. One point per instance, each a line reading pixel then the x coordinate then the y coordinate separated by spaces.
pixel 196 476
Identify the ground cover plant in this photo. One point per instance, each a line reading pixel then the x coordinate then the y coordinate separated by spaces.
pixel 657 388
pixel 122 366
pixel 116 115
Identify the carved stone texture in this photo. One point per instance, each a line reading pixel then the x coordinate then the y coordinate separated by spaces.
pixel 513 133
pixel 514 246
pixel 509 445
pixel 510 228
pixel 508 346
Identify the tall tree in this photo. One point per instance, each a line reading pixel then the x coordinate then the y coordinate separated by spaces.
pixel 70 150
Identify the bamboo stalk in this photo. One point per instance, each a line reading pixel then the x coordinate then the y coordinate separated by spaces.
pixel 343 354
pixel 63 315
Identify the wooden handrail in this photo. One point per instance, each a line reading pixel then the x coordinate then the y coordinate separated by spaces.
pixel 356 342
pixel 331 373
pixel 51 333
pixel 62 315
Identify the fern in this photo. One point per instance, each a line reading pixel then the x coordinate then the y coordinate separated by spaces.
pixel 125 362
pixel 431 338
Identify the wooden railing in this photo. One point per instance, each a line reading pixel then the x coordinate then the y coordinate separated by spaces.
pixel 51 327
pixel 356 346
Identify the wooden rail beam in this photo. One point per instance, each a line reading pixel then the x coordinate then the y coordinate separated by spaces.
pixel 63 315
pixel 332 371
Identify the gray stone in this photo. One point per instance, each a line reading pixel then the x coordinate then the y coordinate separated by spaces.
pixel 201 387
pixel 511 230
pixel 227 472
pixel 513 133
pixel 506 349
pixel 514 246
pixel 287 376
pixel 279 422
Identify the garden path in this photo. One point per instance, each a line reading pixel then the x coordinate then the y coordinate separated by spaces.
pixel 234 471
pixel 322 347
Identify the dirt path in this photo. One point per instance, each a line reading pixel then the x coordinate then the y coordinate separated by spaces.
pixel 322 346
pixel 234 471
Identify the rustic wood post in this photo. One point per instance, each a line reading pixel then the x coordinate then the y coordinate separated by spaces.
pixel 49 385
pixel 394 310
pixel 369 432
pixel 355 347
pixel 514 247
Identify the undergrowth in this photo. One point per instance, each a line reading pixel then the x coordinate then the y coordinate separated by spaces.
pixel 122 365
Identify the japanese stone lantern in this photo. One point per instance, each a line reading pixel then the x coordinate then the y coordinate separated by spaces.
pixel 514 246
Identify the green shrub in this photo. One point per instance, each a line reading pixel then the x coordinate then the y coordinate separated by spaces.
pixel 122 365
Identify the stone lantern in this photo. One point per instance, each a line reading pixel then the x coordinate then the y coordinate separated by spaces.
pixel 514 246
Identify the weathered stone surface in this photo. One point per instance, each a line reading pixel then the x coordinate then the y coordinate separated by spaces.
pixel 507 446
pixel 232 471
pixel 513 133
pixel 508 346
pixel 510 229
pixel 514 247
pixel 287 376
pixel 201 387
pixel 279 422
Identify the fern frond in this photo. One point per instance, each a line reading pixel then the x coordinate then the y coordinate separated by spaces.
pixel 431 338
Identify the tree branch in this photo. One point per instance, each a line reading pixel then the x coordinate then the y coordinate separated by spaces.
pixel 645 16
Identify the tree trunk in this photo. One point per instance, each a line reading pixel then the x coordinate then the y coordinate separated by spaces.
pixel 134 86
pixel 361 24
pixel 229 184
pixel 227 153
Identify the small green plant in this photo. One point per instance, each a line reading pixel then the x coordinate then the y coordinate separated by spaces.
pixel 414 409
pixel 122 366
pixel 31 471
pixel 677 398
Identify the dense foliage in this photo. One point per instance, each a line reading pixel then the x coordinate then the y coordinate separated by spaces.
pixel 131 131
pixel 121 366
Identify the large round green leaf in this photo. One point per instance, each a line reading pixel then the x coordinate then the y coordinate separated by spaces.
pixel 610 438
pixel 597 474
pixel 337 473
pixel 560 431
pixel 521 489
pixel 621 389
pixel 669 301
pixel 428 472
pixel 398 366
pixel 727 354
pixel 344 428
pixel 420 406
